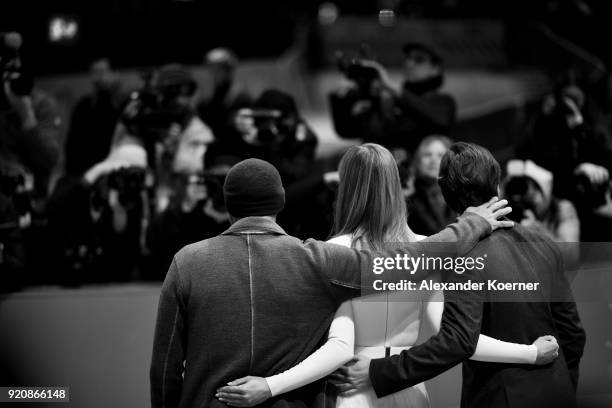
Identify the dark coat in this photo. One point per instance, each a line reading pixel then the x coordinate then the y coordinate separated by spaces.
pixel 514 255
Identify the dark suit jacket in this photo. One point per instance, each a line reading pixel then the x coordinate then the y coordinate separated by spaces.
pixel 514 255
pixel 256 301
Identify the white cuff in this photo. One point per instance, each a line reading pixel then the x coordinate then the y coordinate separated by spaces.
pixel 275 387
pixel 533 353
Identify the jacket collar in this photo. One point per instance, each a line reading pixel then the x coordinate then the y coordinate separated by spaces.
pixel 254 225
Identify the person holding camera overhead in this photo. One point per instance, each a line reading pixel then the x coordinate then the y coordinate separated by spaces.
pixel 395 115
pixel 566 140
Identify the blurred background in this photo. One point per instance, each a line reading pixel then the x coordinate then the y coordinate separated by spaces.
pixel 120 119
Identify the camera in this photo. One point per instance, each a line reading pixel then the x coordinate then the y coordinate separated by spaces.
pixel 519 192
pixel 20 83
pixel 355 69
pixel 262 126
pixel 211 181
pixel 589 194
pixel 17 186
pixel 151 111
pixel 148 115
pixel 129 182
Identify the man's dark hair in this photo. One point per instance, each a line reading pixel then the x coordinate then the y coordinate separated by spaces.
pixel 469 176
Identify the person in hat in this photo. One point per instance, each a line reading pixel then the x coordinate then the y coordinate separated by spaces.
pixel 255 300
pixel 398 116
pixel 421 109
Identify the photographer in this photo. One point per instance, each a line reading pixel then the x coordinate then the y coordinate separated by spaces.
pixel 529 190
pixel 30 125
pixel 567 141
pixel 93 120
pixel 227 95
pixel 99 227
pixel 30 145
pixel 157 139
pixel 160 118
pixel 196 212
pixel 155 115
pixel 397 116
pixel 273 130
pixel 361 109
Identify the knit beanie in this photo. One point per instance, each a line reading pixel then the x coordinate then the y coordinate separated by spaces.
pixel 253 187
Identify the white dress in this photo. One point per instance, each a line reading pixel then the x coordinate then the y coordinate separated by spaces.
pixel 385 323
pixel 379 325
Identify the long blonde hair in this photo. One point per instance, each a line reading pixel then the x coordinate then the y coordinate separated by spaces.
pixel 370 204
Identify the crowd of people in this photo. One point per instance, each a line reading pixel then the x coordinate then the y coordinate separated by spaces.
pixel 142 170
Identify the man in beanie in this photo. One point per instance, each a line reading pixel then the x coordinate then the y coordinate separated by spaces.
pixel 257 301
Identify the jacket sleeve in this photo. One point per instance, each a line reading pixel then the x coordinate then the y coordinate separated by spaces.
pixel 488 348
pixel 572 337
pixel 168 351
pixel 455 342
pixel 346 267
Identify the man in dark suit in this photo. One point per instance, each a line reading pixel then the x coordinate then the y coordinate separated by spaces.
pixel 513 256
